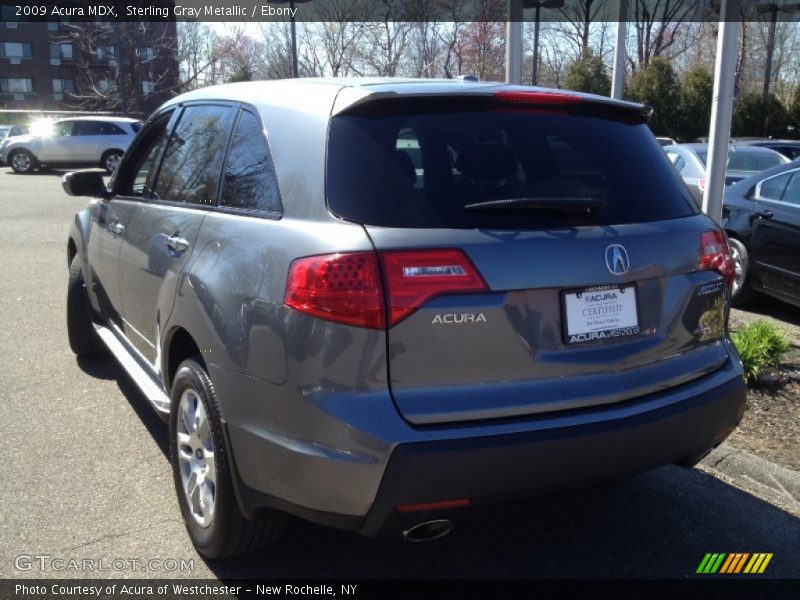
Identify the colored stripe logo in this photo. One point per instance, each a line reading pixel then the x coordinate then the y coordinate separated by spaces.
pixel 734 563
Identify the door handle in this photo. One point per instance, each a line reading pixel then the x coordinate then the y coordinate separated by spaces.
pixel 177 243
pixel 764 214
pixel 117 228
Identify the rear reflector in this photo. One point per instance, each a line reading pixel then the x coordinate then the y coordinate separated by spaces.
pixel 344 288
pixel 347 288
pixel 415 277
pixel 537 98
pixel 443 505
pixel 715 254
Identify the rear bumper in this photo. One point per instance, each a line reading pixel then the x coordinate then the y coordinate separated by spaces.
pixel 541 462
pixel 491 462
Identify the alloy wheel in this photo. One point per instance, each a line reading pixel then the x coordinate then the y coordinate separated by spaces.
pixel 196 458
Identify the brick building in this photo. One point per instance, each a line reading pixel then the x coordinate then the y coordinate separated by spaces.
pixel 121 67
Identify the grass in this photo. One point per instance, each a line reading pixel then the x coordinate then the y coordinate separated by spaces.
pixel 761 346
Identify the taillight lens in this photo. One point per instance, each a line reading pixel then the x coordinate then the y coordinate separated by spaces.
pixel 716 255
pixel 415 277
pixel 344 288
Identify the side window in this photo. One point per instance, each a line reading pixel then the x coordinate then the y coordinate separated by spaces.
pixel 250 181
pixel 106 128
pixel 772 189
pixel 63 129
pixel 86 128
pixel 677 161
pixel 193 158
pixel 791 195
pixel 140 175
pixel 408 155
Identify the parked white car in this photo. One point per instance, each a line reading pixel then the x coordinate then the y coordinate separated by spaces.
pixel 72 142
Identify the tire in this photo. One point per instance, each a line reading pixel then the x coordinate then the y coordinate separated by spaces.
pixel 110 160
pixel 219 530
pixel 742 293
pixel 83 339
pixel 22 161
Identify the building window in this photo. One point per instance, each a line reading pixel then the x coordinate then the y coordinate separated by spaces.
pixel 146 53
pixel 9 15
pixel 62 50
pixel 63 85
pixel 107 86
pixel 16 50
pixel 10 85
pixel 148 87
pixel 106 53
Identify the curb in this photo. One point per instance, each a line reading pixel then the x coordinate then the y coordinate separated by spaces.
pixel 771 482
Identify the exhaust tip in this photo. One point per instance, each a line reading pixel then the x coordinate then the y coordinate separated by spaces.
pixel 428 531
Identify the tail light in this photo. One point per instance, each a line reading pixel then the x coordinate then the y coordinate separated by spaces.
pixel 346 288
pixel 415 277
pixel 715 254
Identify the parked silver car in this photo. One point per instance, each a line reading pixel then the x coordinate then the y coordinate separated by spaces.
pixel 7 131
pixel 77 141
pixel 373 303
pixel 689 161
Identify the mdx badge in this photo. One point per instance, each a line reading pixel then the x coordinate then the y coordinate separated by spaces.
pixel 617 259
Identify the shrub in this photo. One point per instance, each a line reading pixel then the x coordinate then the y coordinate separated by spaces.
pixel 588 74
pixel 760 346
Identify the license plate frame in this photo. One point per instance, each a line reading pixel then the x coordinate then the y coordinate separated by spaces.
pixel 615 313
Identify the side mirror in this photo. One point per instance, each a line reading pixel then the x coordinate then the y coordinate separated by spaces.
pixel 85 183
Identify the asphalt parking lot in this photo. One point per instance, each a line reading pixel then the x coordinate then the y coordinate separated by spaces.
pixel 86 475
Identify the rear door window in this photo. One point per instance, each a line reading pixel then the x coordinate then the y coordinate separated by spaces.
pixel 420 169
pixel 772 189
pixel 192 163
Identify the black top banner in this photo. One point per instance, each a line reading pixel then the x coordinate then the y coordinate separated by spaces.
pixel 666 11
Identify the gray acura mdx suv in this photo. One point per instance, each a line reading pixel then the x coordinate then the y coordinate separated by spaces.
pixel 372 303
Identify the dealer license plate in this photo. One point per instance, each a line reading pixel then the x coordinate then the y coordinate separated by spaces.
pixel 601 313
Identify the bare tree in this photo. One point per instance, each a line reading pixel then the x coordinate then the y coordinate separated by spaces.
pixel 657 25
pixel 127 67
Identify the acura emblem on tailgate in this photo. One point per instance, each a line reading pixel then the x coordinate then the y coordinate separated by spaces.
pixel 617 259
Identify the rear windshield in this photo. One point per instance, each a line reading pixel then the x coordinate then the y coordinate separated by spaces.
pixel 749 162
pixel 420 170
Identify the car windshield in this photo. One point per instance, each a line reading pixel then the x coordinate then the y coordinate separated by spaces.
pixel 748 161
pixel 421 168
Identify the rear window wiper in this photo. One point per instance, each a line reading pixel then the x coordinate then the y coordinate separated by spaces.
pixel 564 204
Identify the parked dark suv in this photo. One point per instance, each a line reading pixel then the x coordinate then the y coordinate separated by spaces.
pixel 373 303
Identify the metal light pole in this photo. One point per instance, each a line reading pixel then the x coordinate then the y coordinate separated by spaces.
pixel 295 72
pixel 772 9
pixel 292 3
pixel 539 5
pixel 721 108
pixel 618 78
pixel 514 42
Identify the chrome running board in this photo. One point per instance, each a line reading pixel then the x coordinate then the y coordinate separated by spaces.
pixel 150 387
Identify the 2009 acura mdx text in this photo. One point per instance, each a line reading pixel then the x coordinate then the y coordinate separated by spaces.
pixel 372 303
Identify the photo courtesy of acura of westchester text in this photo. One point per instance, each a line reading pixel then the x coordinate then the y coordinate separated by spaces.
pixel 373 297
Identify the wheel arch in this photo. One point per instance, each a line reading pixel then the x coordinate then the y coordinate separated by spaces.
pixel 179 345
